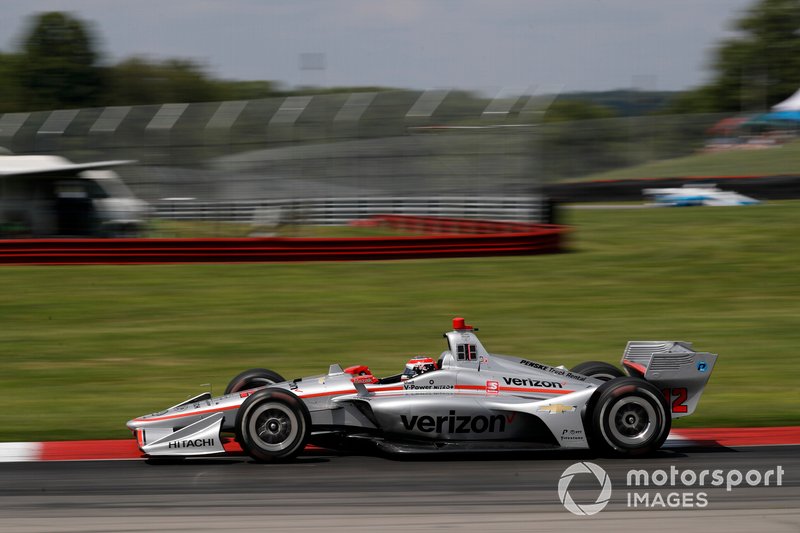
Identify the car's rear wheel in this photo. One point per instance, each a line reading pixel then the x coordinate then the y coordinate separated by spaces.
pixel 598 370
pixel 273 425
pixel 253 378
pixel 628 416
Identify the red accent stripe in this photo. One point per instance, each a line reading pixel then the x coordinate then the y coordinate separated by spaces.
pixel 348 391
pixel 457 387
pixel 351 391
pixel 381 389
pixel 326 393
pixel 516 389
pixel 635 366
pixel 190 413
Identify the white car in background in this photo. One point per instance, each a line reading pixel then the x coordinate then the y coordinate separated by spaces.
pixel 700 194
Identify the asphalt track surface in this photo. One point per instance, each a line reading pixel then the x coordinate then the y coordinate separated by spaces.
pixel 374 493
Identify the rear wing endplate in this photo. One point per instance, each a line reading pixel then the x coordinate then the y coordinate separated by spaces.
pixel 674 367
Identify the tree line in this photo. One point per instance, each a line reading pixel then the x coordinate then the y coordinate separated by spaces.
pixel 757 67
pixel 58 66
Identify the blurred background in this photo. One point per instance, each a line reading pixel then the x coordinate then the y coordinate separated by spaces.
pixel 315 148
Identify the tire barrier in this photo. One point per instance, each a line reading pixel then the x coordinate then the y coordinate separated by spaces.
pixel 444 238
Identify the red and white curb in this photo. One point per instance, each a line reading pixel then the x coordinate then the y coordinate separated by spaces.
pixel 98 450
pixel 734 437
pixel 87 450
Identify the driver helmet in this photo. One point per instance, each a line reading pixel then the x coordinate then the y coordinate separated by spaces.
pixel 417 366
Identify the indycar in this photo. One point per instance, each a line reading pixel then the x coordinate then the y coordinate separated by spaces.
pixel 467 400
pixel 700 194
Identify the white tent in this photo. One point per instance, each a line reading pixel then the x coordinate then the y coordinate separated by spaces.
pixel 790 104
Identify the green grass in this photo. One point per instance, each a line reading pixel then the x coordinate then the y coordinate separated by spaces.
pixel 767 162
pixel 85 348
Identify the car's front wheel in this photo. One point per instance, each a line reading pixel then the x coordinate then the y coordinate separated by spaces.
pixel 273 425
pixel 628 416
pixel 253 378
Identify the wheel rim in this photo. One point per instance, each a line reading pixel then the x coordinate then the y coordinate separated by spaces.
pixel 273 427
pixel 603 377
pixel 632 421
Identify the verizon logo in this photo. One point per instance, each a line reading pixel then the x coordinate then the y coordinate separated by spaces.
pixel 528 382
pixel 452 423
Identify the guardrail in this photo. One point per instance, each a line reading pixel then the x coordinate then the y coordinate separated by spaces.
pixel 341 211
pixel 505 239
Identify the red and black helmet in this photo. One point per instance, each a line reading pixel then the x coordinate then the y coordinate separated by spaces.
pixel 417 366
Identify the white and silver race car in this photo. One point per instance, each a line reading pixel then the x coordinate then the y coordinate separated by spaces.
pixel 468 400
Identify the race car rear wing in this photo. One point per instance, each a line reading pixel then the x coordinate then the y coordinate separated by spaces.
pixel 674 367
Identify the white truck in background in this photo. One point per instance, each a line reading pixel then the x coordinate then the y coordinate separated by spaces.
pixel 50 196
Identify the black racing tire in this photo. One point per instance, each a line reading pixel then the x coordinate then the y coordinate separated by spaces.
pixel 628 416
pixel 273 425
pixel 598 370
pixel 253 378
